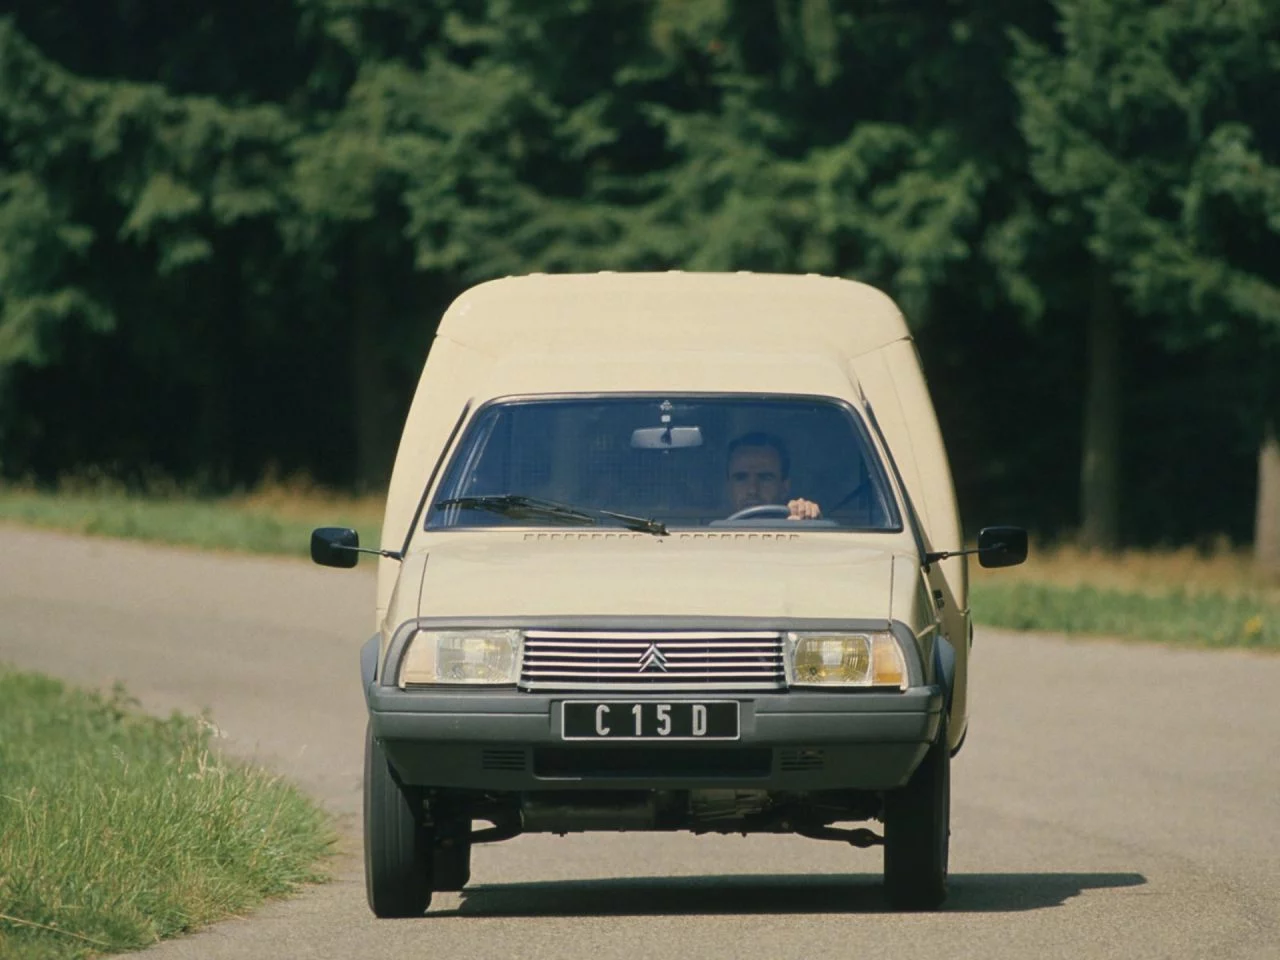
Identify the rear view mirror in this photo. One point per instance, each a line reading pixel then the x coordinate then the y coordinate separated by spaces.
pixel 665 438
pixel 335 546
pixel 1002 546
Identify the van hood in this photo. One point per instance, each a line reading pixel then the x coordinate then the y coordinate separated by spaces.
pixel 622 574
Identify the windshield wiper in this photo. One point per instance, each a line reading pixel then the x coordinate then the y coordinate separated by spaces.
pixel 520 507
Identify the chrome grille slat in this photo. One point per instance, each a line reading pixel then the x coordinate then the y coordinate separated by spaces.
pixel 665 685
pixel 632 674
pixel 612 660
pixel 650 637
pixel 631 656
pixel 638 647
pixel 749 666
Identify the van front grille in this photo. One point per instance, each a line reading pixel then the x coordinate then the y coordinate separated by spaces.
pixel 656 661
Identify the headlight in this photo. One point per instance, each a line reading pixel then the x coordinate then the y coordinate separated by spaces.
pixel 871 659
pixel 462 656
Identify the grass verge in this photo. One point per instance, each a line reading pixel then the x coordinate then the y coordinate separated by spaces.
pixel 277 519
pixel 1216 598
pixel 1178 616
pixel 118 829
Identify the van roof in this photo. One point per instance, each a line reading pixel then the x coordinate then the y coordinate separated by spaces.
pixel 678 310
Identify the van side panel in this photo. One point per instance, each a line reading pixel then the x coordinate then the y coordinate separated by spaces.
pixel 893 382
pixel 925 437
pixel 441 396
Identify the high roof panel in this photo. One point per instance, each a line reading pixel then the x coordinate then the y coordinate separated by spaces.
pixel 628 311
pixel 782 370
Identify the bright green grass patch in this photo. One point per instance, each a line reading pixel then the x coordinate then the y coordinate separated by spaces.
pixel 118 829
pixel 249 525
pixel 1176 616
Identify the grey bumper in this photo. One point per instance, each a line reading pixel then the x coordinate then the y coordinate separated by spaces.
pixel 510 741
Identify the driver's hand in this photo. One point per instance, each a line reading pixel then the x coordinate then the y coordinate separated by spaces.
pixel 803 510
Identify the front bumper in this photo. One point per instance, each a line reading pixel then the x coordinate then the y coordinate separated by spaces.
pixel 789 741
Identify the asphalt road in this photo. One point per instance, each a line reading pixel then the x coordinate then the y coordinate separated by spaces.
pixel 1112 801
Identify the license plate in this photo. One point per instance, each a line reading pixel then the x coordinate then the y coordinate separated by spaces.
pixel 649 720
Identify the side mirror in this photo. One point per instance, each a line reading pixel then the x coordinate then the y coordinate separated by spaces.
pixel 1002 546
pixel 335 547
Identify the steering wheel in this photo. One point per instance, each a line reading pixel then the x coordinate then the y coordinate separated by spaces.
pixel 779 510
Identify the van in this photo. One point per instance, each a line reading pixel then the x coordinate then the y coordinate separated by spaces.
pixel 668 551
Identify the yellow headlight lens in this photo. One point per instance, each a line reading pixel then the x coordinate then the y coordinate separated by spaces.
pixel 833 660
pixel 462 656
pixel 848 660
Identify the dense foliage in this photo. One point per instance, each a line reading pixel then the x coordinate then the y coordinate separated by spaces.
pixel 226 230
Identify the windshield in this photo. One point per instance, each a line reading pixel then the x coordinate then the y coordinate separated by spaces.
pixel 679 461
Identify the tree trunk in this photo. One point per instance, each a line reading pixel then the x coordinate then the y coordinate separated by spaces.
pixel 221 442
pixel 1266 530
pixel 1100 465
pixel 373 431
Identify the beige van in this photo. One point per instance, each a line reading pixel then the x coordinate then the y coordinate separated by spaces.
pixel 668 551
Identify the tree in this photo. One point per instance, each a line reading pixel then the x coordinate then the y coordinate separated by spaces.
pixel 462 142
pixel 133 211
pixel 1143 126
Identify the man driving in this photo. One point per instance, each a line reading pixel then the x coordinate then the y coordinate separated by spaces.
pixel 759 474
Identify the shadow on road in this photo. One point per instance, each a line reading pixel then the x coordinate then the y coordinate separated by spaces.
pixel 765 894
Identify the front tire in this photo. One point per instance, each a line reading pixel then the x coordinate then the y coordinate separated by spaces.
pixel 917 832
pixel 397 846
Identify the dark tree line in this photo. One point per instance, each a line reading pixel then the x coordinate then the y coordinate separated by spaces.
pixel 227 230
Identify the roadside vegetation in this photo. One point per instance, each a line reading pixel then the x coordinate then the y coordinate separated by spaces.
pixel 1211 597
pixel 1215 598
pixel 276 517
pixel 118 829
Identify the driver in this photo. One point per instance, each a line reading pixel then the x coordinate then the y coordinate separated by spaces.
pixel 759 474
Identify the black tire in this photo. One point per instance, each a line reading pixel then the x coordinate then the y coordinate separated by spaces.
pixel 397 847
pixel 917 832
pixel 452 867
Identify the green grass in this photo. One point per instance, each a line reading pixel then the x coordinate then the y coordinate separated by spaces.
pixel 118 828
pixel 1174 616
pixel 276 521
pixel 1217 597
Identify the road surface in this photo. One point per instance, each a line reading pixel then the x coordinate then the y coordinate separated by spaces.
pixel 1112 800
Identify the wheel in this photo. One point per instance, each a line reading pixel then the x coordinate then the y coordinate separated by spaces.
pixel 452 867
pixel 397 847
pixel 917 832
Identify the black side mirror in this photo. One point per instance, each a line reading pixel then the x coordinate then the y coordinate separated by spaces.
pixel 335 546
pixel 1002 546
